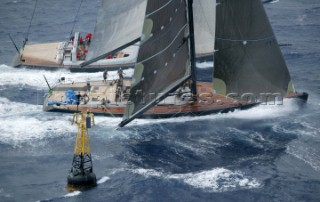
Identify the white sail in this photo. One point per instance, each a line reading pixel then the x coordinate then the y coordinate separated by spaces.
pixel 204 26
pixel 119 22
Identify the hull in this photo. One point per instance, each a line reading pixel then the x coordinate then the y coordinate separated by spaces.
pixel 206 103
pixel 57 55
pixel 300 97
pixel 156 112
pixel 44 56
pixel 91 68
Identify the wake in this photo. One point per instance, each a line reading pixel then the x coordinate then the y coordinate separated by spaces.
pixel 32 77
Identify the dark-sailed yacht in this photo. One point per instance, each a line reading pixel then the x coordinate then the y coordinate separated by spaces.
pixel 248 65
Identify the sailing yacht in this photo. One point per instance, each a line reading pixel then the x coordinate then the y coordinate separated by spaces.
pixel 249 68
pixel 70 54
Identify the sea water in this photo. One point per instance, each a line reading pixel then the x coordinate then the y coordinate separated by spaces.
pixel 268 153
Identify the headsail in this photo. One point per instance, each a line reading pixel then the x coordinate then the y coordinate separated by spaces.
pixel 248 59
pixel 119 24
pixel 163 61
pixel 204 26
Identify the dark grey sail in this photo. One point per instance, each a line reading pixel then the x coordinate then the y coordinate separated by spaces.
pixel 119 24
pixel 248 59
pixel 163 60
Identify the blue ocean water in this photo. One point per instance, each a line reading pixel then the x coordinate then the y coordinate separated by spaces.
pixel 269 153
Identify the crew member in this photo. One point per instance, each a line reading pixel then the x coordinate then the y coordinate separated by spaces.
pixel 88 38
pixel 120 73
pixel 81 41
pixel 88 87
pixel 105 75
pixel 78 99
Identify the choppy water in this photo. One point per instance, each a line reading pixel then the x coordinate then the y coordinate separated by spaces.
pixel 270 153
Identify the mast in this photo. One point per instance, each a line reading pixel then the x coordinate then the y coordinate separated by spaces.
pixel 192 49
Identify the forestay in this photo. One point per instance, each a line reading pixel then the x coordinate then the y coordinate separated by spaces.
pixel 204 26
pixel 163 60
pixel 248 60
pixel 119 24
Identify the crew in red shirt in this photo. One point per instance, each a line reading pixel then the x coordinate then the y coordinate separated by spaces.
pixel 88 37
pixel 81 41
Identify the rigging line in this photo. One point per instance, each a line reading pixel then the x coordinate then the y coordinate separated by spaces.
pixel 75 19
pixel 14 43
pixel 178 34
pixel 231 47
pixel 169 25
pixel 153 12
pixel 27 34
pixel 246 40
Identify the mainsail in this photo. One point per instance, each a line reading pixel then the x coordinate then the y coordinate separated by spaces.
pixel 204 26
pixel 248 60
pixel 119 24
pixel 163 60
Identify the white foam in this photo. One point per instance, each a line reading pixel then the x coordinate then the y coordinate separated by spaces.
pixel 103 180
pixel 32 77
pixel 23 128
pixel 267 111
pixel 219 180
pixel 20 122
pixel 255 113
pixel 147 172
pixel 204 65
pixel 215 180
pixel 72 194
pixel 8 107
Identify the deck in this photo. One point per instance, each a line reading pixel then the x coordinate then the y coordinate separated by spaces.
pixel 40 54
pixel 101 92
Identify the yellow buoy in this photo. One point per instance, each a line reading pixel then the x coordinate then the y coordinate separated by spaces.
pixel 81 174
